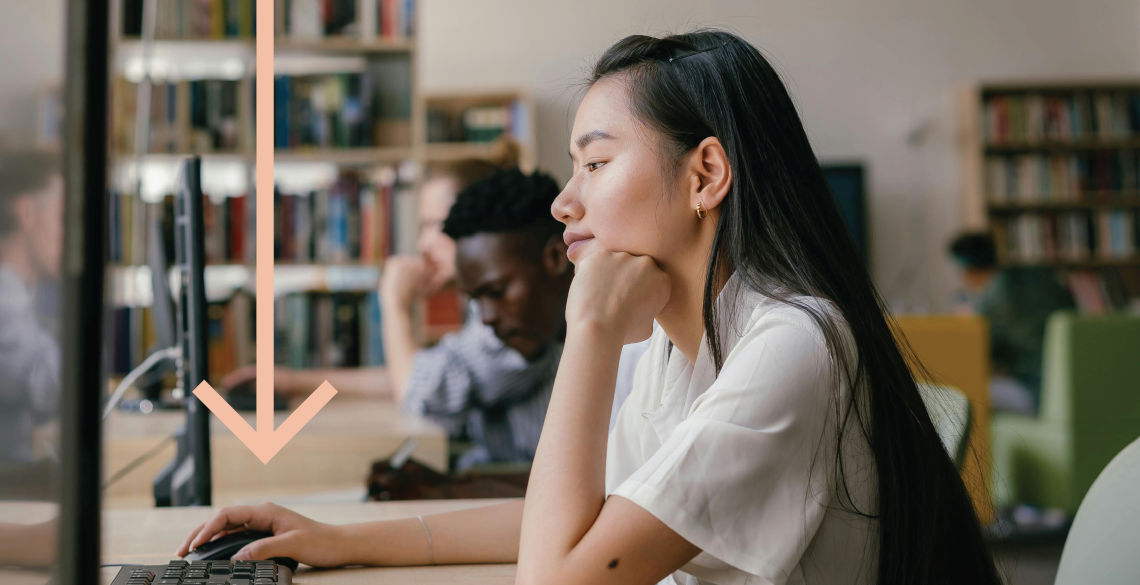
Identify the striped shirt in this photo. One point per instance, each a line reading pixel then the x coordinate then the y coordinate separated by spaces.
pixel 29 370
pixel 471 381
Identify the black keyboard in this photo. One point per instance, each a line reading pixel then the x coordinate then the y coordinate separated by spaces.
pixel 206 573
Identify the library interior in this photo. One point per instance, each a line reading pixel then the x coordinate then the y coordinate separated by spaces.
pixel 385 376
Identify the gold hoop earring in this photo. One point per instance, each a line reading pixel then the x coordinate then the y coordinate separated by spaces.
pixel 701 211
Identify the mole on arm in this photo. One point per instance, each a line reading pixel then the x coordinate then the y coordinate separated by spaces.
pixel 613 564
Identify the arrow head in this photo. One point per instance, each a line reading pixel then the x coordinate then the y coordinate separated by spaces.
pixel 265 442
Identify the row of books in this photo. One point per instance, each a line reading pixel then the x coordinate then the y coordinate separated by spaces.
pixel 350 221
pixel 1061 117
pixel 328 330
pixel 1044 178
pixel 1110 234
pixel 477 124
pixel 192 19
pixel 1100 291
pixel 310 330
pixel 185 116
pixel 312 19
pixel 342 110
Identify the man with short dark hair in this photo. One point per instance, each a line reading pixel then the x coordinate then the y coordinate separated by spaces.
pixel 494 380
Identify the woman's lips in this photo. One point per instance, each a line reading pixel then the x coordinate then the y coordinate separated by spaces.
pixel 576 245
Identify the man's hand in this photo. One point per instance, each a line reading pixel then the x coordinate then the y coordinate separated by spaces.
pixel 404 280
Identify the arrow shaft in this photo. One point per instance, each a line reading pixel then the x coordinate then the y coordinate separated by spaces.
pixel 263 325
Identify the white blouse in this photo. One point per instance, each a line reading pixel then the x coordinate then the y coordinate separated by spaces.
pixel 742 464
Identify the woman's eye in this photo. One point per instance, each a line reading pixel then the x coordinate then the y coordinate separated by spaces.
pixel 593 166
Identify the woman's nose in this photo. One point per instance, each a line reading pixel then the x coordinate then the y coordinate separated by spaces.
pixel 566 206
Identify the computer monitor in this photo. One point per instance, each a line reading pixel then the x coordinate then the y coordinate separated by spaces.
pixel 847 183
pixel 186 481
pixel 84 149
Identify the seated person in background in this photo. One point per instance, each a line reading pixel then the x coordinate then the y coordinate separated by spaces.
pixel 31 248
pixel 512 262
pixel 405 281
pixel 1017 301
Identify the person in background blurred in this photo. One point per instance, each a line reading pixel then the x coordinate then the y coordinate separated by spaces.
pixel 1016 301
pixel 31 248
pixel 493 381
pixel 406 281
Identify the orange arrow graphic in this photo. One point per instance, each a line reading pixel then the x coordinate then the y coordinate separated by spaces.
pixel 265 441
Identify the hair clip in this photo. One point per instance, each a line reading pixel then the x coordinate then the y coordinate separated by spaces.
pixel 721 46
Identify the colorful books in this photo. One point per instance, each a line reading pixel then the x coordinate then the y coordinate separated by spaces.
pixel 481 123
pixel 314 19
pixel 203 116
pixel 328 330
pixel 336 110
pixel 1099 176
pixel 1071 236
pixel 192 19
pixel 1027 118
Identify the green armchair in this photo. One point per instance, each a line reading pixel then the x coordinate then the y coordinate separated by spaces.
pixel 1090 409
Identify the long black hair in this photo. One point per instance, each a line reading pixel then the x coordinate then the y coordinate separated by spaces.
pixel 782 234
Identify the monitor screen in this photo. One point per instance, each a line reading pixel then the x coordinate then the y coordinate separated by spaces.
pixel 847 183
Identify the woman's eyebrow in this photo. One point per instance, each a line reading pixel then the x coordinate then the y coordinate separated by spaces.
pixel 584 140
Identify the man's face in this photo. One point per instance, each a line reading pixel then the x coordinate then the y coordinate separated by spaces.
pixel 40 220
pixel 437 250
pixel 521 292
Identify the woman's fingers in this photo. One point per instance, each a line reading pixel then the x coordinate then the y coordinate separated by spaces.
pixel 267 548
pixel 185 548
pixel 232 519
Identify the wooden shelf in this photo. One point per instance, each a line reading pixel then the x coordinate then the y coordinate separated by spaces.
pixel 1068 146
pixel 453 151
pixel 350 45
pixel 344 156
pixel 1028 227
pixel 130 283
pixel 1091 263
pixel 1082 205
pixel 127 157
pixel 1055 86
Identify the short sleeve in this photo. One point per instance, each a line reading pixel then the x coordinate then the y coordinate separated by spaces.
pixel 741 476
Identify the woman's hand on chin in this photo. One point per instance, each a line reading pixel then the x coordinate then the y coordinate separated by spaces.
pixel 617 292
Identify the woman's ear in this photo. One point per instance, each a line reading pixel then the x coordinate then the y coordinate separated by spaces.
pixel 554 259
pixel 711 174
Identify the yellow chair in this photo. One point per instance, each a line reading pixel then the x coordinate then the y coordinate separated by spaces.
pixel 955 350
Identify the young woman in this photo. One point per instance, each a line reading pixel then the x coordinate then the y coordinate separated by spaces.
pixel 774 433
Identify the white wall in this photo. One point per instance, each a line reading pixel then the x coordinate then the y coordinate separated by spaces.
pixel 31 42
pixel 875 80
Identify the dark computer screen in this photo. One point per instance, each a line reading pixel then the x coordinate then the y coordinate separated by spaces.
pixel 186 481
pixel 847 183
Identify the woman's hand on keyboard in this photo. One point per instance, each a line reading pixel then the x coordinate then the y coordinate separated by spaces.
pixel 294 536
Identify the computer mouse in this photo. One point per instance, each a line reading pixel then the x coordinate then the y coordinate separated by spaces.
pixel 222 549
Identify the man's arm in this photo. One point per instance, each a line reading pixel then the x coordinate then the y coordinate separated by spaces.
pixel 400 345
pixel 369 382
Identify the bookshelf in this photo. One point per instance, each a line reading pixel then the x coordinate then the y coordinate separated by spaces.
pixel 348 108
pixel 1052 169
pixel 464 124
pixel 348 120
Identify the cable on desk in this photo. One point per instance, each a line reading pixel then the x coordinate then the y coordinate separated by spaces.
pixel 151 360
pixel 138 461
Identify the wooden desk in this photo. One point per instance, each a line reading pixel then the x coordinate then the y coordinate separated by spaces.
pixel 151 536
pixel 332 453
